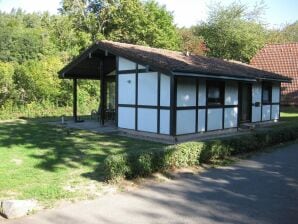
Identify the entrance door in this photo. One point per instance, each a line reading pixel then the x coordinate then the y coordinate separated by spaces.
pixel 110 98
pixel 245 102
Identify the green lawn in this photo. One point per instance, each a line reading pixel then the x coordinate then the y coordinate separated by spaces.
pixel 289 114
pixel 49 164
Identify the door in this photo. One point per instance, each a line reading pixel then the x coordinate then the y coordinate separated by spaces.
pixel 245 102
pixel 110 98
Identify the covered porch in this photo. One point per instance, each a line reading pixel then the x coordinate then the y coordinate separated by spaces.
pixel 100 65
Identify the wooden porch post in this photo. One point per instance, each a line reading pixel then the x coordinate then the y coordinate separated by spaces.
pixel 75 103
pixel 102 94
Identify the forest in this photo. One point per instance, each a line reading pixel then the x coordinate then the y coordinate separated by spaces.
pixel 35 46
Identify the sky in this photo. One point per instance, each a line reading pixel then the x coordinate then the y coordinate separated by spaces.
pixel 186 12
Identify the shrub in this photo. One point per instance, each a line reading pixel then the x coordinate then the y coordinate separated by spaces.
pixel 185 154
pixel 116 167
pixel 144 163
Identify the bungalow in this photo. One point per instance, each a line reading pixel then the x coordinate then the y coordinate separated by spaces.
pixel 170 93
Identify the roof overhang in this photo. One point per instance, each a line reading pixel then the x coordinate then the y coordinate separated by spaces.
pixel 288 80
pixel 210 76
pixel 94 47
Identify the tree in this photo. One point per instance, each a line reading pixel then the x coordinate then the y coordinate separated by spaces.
pixel 6 81
pixel 285 35
pixel 37 80
pixel 130 21
pixel 159 27
pixel 233 32
pixel 65 37
pixel 21 39
pixel 191 42
pixel 89 16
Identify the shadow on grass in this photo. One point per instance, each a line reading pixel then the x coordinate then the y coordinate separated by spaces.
pixel 57 148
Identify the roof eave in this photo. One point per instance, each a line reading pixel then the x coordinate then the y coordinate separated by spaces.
pixel 227 76
pixel 213 76
pixel 286 80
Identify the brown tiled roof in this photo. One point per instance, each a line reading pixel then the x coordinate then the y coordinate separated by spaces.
pixel 177 63
pixel 281 59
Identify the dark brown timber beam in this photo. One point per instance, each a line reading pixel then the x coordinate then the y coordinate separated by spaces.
pixel 102 94
pixel 75 102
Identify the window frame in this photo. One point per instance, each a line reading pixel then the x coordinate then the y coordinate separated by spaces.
pixel 215 101
pixel 268 87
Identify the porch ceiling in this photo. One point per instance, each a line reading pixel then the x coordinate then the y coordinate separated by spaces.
pixel 87 65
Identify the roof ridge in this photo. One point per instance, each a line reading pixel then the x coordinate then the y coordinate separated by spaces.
pixel 133 45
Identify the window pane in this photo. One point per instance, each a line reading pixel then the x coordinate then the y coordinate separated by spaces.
pixel 214 92
pixel 265 95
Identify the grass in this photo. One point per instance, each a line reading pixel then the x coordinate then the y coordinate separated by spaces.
pixel 49 164
pixel 289 114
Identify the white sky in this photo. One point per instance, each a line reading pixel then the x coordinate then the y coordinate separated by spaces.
pixel 186 12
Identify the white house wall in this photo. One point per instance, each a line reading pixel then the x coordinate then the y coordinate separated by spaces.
pixel 126 117
pixel 266 112
pixel 125 64
pixel 275 100
pixel 186 92
pixel 214 119
pixel 231 99
pixel 231 93
pixel 164 122
pixel 147 88
pixel 275 112
pixel 147 120
pixel 186 97
pixel 202 92
pixel 165 89
pixel 275 93
pixel 126 90
pixel 143 107
pixel 256 98
pixel 231 117
pixel 186 122
pixel 146 112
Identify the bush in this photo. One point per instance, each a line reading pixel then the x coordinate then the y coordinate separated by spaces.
pixel 144 163
pixel 185 154
pixel 116 166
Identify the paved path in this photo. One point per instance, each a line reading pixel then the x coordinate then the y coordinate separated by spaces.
pixel 263 189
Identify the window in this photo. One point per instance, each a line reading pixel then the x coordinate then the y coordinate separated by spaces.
pixel 267 94
pixel 215 93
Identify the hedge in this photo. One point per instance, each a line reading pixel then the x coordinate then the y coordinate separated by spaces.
pixel 144 163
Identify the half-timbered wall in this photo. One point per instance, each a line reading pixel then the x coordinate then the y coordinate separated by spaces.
pixel 193 115
pixel 144 102
pixel 265 111
pixel 143 98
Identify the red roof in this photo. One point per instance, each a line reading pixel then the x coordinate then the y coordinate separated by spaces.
pixel 281 59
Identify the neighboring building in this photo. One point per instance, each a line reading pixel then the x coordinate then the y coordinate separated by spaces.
pixel 281 59
pixel 170 93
